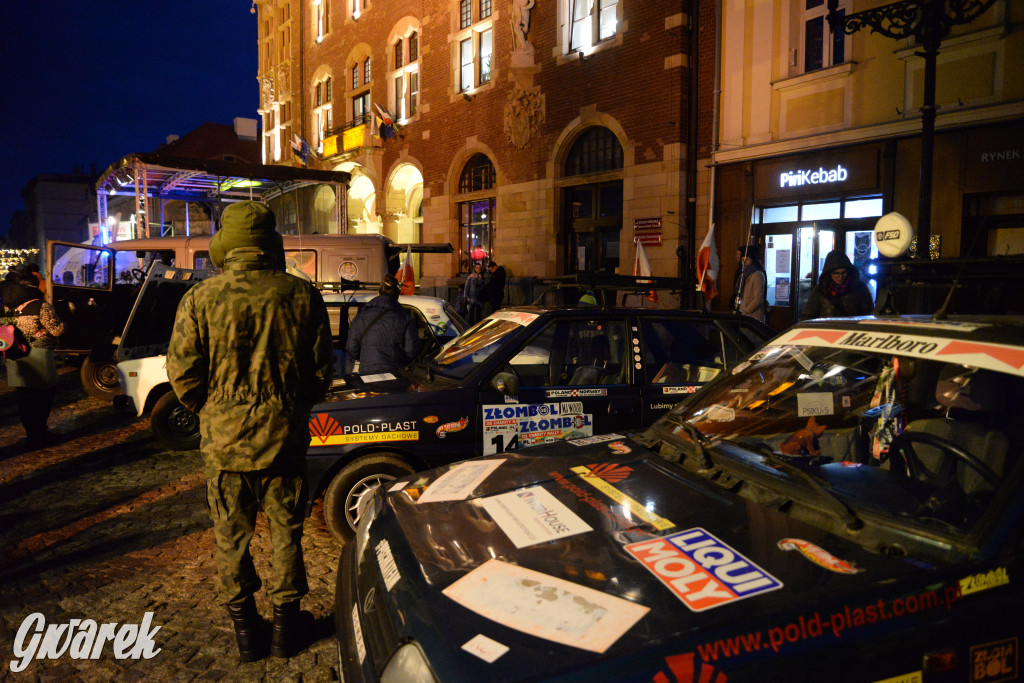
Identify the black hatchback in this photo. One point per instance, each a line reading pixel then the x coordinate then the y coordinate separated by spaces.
pixel 523 376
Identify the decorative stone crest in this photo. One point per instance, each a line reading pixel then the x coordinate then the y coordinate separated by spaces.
pixel 524 113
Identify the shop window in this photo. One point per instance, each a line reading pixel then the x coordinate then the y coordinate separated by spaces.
pixel 780 214
pixel 862 208
pixel 820 212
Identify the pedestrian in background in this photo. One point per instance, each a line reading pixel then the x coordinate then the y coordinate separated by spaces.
pixel 840 292
pixel 33 377
pixel 474 293
pixel 753 297
pixel 383 336
pixel 495 290
pixel 251 353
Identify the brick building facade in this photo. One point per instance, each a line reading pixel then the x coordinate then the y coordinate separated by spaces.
pixel 537 134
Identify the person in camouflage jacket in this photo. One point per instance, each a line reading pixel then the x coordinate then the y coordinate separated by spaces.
pixel 251 353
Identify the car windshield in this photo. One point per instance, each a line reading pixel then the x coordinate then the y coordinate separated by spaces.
pixel 931 442
pixel 459 357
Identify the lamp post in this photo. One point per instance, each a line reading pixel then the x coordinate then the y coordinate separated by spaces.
pixel 929 22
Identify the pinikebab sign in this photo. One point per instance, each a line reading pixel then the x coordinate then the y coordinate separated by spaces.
pixel 813 177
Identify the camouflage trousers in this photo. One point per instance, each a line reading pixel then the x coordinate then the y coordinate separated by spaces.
pixel 234 499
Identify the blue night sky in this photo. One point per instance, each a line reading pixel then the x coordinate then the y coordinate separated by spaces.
pixel 86 83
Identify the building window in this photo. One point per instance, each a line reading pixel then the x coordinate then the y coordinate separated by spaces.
pixel 486 42
pixel 485 8
pixel 366 71
pixel 327 90
pixel 357 7
pixel 465 13
pixel 355 76
pixel 361 107
pixel 596 150
pixel 821 47
pixel 476 213
pixel 404 77
pixel 322 11
pixel 466 64
pixel 591 22
pixel 322 110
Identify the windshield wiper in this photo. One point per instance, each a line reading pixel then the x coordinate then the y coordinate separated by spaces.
pixel 833 503
pixel 700 441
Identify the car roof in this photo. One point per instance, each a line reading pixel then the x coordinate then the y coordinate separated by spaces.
pixel 998 329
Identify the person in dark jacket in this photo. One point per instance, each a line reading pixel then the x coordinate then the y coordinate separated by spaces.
pixel 383 336
pixel 251 353
pixel 474 291
pixel 839 292
pixel 495 287
pixel 753 295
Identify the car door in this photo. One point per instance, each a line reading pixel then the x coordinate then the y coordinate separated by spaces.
pixel 573 379
pixel 679 356
pixel 81 283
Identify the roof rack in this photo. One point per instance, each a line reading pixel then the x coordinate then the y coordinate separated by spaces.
pixel 601 284
pixel 990 284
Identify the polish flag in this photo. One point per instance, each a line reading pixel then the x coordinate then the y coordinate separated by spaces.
pixel 707 267
pixel 642 268
pixel 406 275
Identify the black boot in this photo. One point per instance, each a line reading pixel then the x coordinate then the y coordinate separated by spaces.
pixel 249 631
pixel 285 635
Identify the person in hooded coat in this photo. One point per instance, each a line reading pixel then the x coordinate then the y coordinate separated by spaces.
pixel 251 354
pixel 383 336
pixel 840 292
pixel 753 301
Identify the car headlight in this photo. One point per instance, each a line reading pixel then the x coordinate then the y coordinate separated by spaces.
pixel 408 665
pixel 368 509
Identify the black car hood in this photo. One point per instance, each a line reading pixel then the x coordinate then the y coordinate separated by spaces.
pixel 676 557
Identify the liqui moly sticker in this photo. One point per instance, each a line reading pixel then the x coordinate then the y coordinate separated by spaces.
pixel 701 570
pixel 457 426
pixel 818 555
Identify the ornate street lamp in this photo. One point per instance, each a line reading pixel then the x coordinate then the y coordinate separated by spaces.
pixel 929 22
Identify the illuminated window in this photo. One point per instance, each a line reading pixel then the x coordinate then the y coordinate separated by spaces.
pixel 322 13
pixel 473 48
pixel 404 75
pixel 323 119
pixel 476 210
pixel 357 96
pixel 591 22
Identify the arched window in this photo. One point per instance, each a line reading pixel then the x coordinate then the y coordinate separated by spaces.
pixel 596 150
pixel 476 210
pixel 404 76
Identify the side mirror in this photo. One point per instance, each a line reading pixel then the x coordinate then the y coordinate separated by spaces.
pixel 505 383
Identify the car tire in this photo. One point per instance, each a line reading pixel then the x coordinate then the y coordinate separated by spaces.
pixel 99 377
pixel 355 480
pixel 175 426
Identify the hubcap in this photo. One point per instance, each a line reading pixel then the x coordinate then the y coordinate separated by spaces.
pixel 363 488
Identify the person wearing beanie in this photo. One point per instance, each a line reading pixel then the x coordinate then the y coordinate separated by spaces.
pixel 383 336
pixel 251 354
pixel 840 292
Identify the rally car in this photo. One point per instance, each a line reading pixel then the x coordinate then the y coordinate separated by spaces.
pixel 845 505
pixel 523 376
pixel 142 360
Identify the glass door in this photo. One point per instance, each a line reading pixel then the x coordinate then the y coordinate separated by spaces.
pixel 814 242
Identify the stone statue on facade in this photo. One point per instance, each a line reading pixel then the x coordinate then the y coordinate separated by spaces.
pixel 521 25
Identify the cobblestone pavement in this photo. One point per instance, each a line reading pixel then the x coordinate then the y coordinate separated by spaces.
pixel 108 526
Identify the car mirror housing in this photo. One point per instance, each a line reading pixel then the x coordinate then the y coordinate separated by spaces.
pixel 506 383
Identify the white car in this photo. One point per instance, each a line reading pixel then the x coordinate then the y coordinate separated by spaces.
pixel 142 360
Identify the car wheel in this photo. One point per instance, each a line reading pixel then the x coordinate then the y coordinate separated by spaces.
pixel 175 426
pixel 99 378
pixel 356 480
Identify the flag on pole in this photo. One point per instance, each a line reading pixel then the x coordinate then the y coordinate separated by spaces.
pixel 707 267
pixel 300 146
pixel 642 268
pixel 406 275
